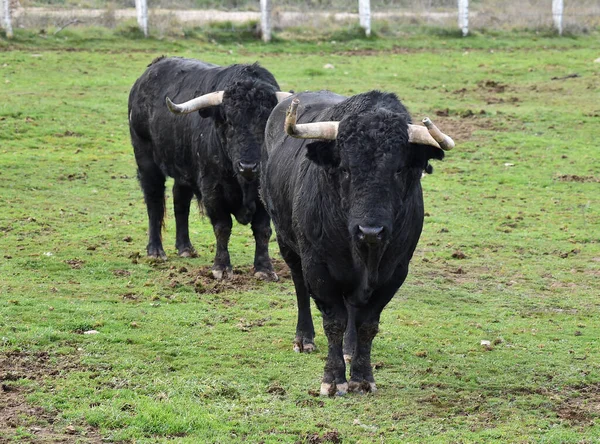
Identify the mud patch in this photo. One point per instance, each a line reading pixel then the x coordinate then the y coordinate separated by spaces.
pixel 75 264
pixel 315 438
pixel 461 128
pixel 576 178
pixel 241 280
pixel 492 86
pixel 32 423
pixel 581 406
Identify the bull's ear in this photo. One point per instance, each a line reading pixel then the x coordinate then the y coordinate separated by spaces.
pixel 422 154
pixel 324 153
pixel 212 111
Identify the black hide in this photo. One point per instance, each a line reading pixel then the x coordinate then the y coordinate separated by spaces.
pixel 202 151
pixel 348 215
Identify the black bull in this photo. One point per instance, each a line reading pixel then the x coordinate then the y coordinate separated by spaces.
pixel 348 214
pixel 213 154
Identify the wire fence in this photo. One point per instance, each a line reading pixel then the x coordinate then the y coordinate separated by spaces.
pixel 387 16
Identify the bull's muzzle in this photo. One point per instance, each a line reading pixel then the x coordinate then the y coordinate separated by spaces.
pixel 370 235
pixel 248 171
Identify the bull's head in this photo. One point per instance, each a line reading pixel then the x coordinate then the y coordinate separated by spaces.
pixel 375 159
pixel 241 111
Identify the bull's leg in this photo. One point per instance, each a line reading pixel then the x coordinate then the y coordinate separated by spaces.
pixel 334 323
pixel 152 181
pixel 367 326
pixel 221 222
pixel 182 197
pixel 361 373
pixel 305 330
pixel 350 335
pixel 261 228
pixel 328 297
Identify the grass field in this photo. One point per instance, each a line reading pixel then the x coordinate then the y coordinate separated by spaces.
pixel 510 254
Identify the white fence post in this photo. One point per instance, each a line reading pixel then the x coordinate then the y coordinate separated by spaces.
pixel 463 16
pixel 364 15
pixel 7 19
pixel 141 7
pixel 557 15
pixel 265 20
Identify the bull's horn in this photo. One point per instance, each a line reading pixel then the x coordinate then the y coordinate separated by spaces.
pixel 204 101
pixel 282 95
pixel 429 135
pixel 316 130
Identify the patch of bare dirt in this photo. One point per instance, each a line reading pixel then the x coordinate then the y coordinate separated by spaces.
pixel 461 128
pixel 202 279
pixel 40 425
pixel 377 52
pixel 492 86
pixel 576 178
pixel 75 264
pixel 315 438
pixel 581 406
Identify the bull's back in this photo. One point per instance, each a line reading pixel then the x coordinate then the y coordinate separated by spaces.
pixel 285 166
pixel 176 78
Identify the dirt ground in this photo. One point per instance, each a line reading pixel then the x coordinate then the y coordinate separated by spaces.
pixel 34 424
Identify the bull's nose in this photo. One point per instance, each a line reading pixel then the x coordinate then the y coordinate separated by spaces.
pixel 371 235
pixel 248 170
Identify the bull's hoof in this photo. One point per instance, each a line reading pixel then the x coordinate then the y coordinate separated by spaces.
pixel 157 253
pixel 222 273
pixel 187 252
pixel 347 359
pixel 362 386
pixel 266 276
pixel 302 345
pixel 334 389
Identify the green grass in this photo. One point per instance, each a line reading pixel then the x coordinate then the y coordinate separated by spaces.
pixel 510 252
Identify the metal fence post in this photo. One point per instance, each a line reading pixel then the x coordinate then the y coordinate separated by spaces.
pixel 7 19
pixel 364 15
pixel 463 16
pixel 141 7
pixel 557 15
pixel 265 20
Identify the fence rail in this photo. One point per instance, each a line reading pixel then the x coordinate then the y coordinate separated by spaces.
pixel 319 14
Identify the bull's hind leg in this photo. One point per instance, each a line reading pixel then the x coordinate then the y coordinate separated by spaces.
pixel 305 330
pixel 152 181
pixel 182 198
pixel 261 228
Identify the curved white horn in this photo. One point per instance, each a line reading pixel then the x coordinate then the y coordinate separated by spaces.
pixel 429 135
pixel 316 130
pixel 282 95
pixel 204 101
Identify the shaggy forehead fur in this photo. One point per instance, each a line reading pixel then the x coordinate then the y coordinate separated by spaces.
pixel 376 136
pixel 248 99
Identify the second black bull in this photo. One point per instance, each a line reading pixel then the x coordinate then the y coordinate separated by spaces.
pixel 212 154
pixel 348 212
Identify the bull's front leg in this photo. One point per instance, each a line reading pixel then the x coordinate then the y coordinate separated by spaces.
pixel 350 335
pixel 222 223
pixel 152 181
pixel 261 228
pixel 361 372
pixel 367 326
pixel 335 319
